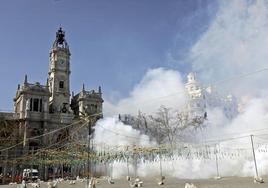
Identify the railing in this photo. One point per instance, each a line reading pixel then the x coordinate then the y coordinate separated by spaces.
pixel 9 115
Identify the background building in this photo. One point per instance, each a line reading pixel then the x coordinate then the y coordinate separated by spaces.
pixel 200 99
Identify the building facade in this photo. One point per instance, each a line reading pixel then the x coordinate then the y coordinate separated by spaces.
pixel 200 99
pixel 41 108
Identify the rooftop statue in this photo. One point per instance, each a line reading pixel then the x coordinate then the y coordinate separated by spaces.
pixel 60 36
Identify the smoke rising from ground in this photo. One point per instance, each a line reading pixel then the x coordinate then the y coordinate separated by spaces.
pixel 235 154
pixel 235 43
pixel 111 131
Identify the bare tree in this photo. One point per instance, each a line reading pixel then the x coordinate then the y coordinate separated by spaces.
pixel 189 126
pixel 164 126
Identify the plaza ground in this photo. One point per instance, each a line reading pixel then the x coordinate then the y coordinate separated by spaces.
pixel 227 182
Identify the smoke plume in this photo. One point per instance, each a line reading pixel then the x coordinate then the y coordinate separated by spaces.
pixel 235 43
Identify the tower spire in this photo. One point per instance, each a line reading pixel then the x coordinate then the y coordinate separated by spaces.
pixel 83 87
pixel 25 79
pixel 60 36
pixel 59 73
pixel 60 39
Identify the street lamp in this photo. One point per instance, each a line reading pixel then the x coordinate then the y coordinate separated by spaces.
pixel 91 119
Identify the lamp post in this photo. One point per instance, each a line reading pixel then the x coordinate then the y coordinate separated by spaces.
pixel 254 157
pixel 91 118
pixel 88 151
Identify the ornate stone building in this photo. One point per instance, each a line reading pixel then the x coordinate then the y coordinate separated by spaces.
pixel 41 108
pixel 203 98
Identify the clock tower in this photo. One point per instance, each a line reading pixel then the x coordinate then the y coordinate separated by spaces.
pixel 59 75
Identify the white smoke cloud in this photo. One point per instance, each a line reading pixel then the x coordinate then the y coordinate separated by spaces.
pixel 253 120
pixel 235 43
pixel 158 87
pixel 111 131
pixel 254 117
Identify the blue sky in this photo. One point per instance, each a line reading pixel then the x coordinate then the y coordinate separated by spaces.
pixel 113 42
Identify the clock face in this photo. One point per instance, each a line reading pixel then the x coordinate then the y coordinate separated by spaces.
pixel 61 62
